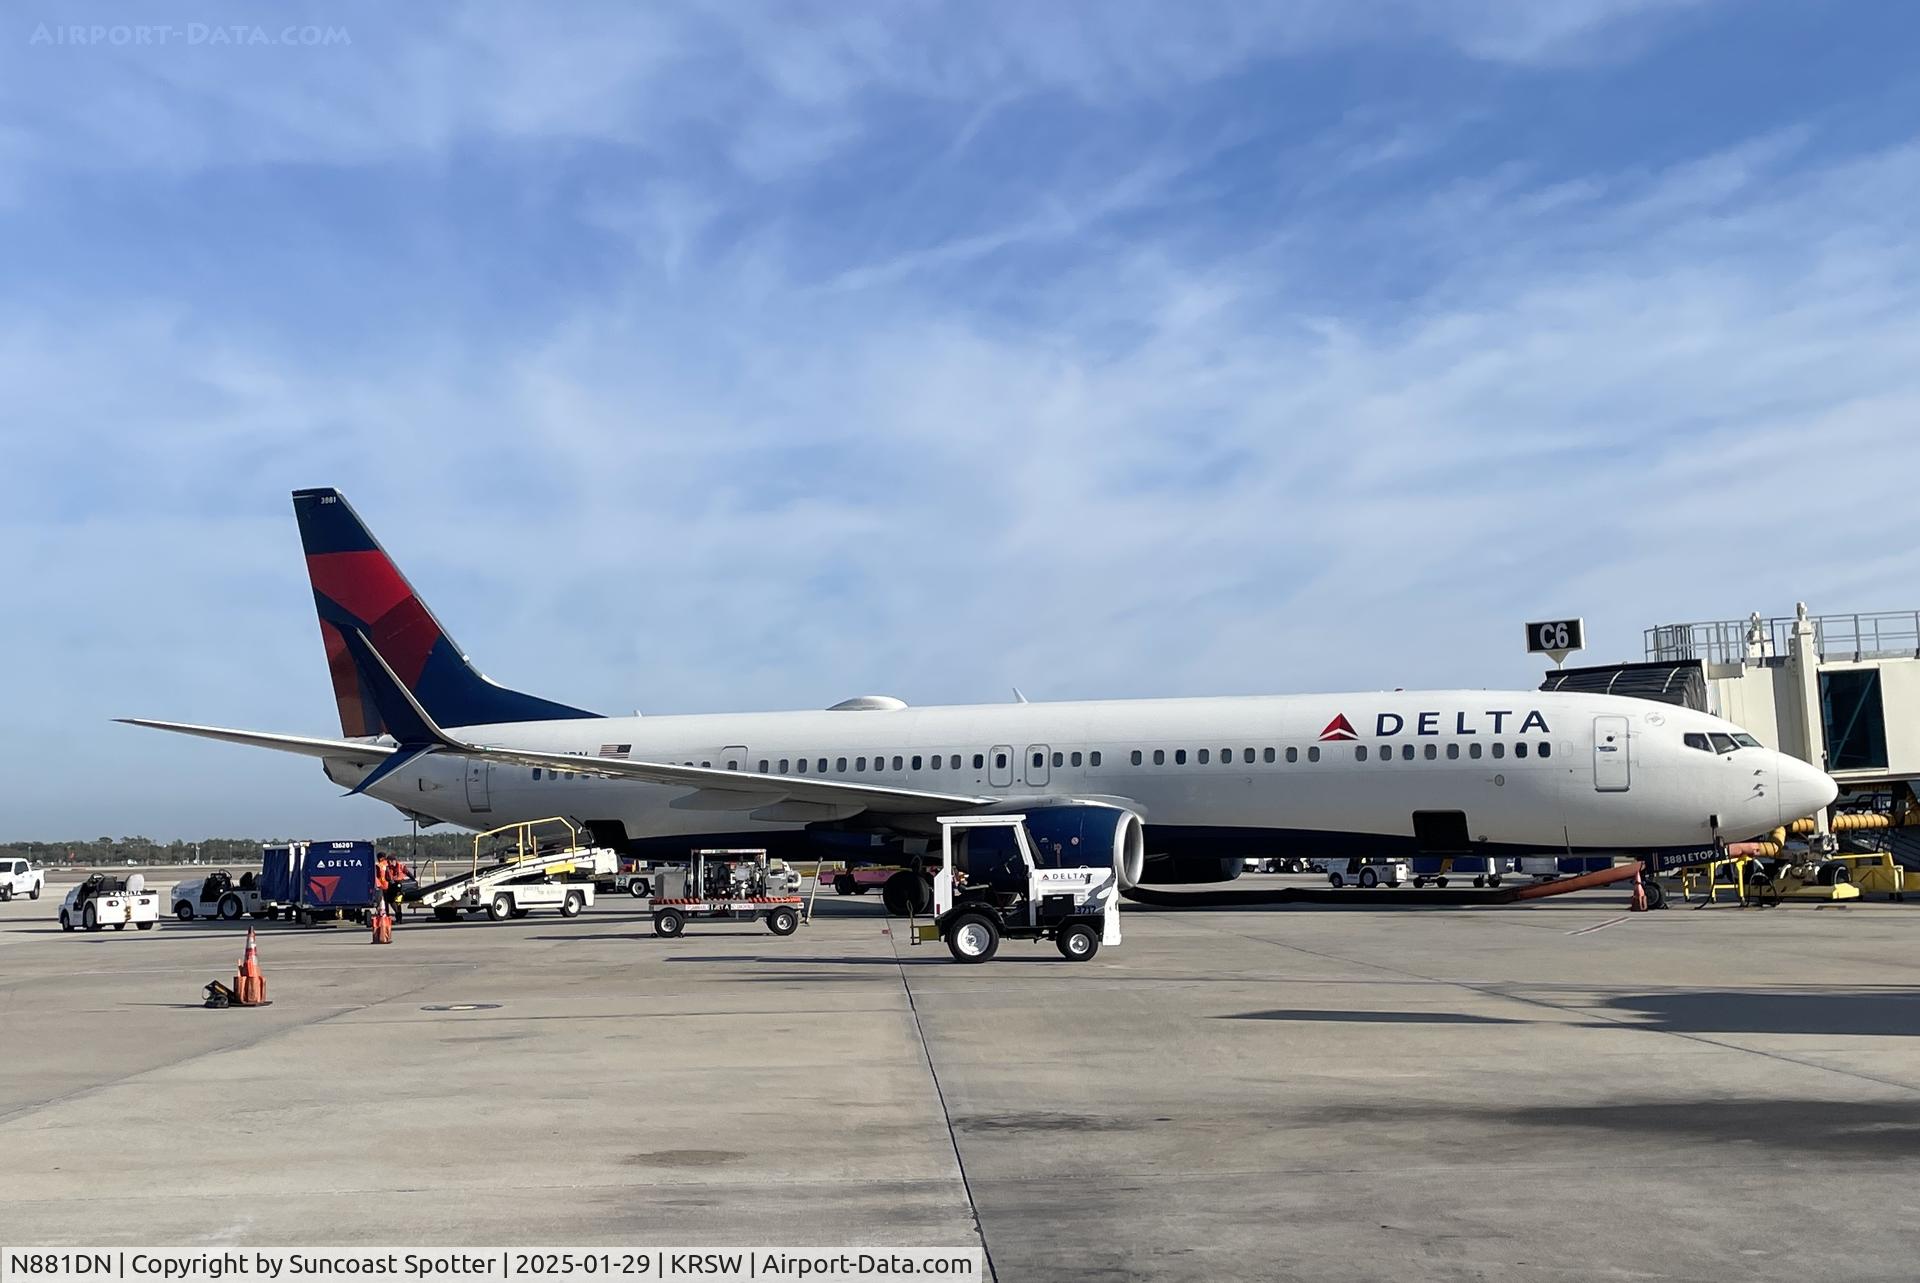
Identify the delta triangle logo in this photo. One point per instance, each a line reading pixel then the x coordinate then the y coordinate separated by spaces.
pixel 1339 729
pixel 324 887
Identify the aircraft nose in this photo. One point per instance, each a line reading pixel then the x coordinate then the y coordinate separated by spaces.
pixel 1804 789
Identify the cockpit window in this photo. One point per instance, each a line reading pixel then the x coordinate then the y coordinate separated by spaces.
pixel 1723 743
pixel 1746 741
pixel 1699 741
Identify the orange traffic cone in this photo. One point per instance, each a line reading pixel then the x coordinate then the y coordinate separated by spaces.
pixel 382 927
pixel 1639 901
pixel 248 982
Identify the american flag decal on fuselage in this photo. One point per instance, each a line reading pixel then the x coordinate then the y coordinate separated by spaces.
pixel 615 750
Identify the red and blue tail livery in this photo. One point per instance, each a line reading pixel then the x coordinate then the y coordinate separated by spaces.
pixel 357 588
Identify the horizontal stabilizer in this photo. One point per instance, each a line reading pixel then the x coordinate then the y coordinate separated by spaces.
pixel 361 751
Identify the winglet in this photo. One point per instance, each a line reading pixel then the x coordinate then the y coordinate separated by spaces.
pixel 1018 698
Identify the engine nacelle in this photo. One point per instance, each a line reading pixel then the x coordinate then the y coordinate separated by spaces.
pixel 1179 870
pixel 1090 833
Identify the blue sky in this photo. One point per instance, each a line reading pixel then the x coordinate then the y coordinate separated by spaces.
pixel 754 355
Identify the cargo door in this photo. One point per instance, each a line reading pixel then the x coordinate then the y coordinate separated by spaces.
pixel 479 797
pixel 1612 755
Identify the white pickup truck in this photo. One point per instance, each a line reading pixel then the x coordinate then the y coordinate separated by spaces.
pixel 18 877
pixel 105 901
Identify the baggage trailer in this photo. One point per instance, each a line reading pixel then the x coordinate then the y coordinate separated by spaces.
pixel 513 883
pixel 1002 880
pixel 335 883
pixel 726 886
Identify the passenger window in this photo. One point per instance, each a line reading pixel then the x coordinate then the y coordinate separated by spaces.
pixel 763 766
pixel 934 761
pixel 1059 759
pixel 1093 758
pixel 1039 759
pixel 783 765
pixel 709 765
pixel 536 772
pixel 1520 749
pixel 1293 755
pixel 1453 752
pixel 1433 751
pixel 1267 756
pixel 1473 750
pixel 896 762
pixel 839 766
pixel 1159 757
pixel 1179 757
pixel 1359 752
pixel 999 761
pixel 1313 752
pixel 979 760
pixel 1546 749
pixel 733 764
pixel 823 766
pixel 1499 750
pixel 1202 758
pixel 1696 740
pixel 1075 759
pixel 1247 756
pixel 1406 752
pixel 800 766
pixel 954 763
pixel 859 763
pixel 1136 757
pixel 1723 743
pixel 916 761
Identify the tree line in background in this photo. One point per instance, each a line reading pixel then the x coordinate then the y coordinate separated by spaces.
pixel 235 852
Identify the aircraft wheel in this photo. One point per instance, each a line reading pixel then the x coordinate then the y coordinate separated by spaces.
pixel 783 922
pixel 1078 942
pixel 973 937
pixel 669 923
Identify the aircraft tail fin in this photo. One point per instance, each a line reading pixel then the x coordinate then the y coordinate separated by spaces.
pixel 358 589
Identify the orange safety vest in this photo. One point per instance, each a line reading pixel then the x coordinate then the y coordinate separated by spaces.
pixel 380 874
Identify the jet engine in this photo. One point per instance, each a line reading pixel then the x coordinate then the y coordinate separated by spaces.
pixel 1086 833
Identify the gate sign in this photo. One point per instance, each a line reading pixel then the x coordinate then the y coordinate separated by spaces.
pixel 1556 638
pixel 1558 634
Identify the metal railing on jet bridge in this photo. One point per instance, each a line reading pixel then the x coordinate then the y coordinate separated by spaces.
pixel 1885 634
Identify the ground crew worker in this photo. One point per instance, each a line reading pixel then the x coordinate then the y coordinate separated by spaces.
pixel 382 870
pixel 397 875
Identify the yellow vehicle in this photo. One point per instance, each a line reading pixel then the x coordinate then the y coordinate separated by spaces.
pixel 1877 872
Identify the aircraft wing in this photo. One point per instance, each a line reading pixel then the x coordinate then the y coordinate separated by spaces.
pixel 305 745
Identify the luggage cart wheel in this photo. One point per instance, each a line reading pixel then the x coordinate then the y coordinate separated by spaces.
pixel 1078 942
pixel 669 923
pixel 972 937
pixel 783 922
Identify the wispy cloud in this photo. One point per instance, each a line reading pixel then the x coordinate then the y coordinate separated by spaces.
pixel 759 356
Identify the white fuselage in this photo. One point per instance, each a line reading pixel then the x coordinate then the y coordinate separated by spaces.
pixel 1226 776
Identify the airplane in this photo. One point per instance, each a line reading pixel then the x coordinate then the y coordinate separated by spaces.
pixel 1194 784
